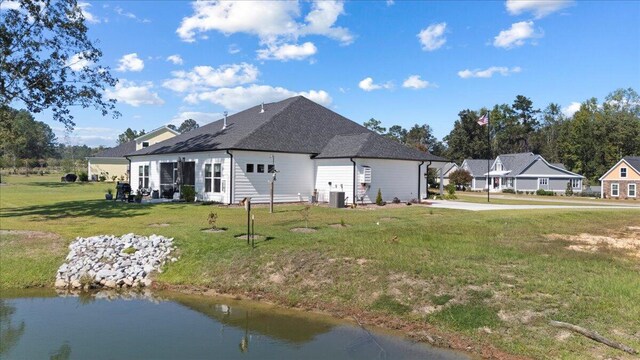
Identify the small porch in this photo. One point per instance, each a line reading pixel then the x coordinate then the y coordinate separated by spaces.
pixel 499 180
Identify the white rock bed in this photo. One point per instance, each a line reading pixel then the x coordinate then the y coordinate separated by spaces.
pixel 101 261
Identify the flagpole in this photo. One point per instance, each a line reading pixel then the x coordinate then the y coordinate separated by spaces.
pixel 488 157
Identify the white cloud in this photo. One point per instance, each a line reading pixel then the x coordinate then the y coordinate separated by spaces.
pixel 414 82
pixel 272 22
pixel 432 37
pixel 175 59
pixel 286 52
pixel 134 94
pixel 390 2
pixel 487 73
pixel 89 17
pixel 9 5
pixel 201 118
pixel 367 84
pixel 206 77
pixel 571 109
pixel 516 35
pixel 242 97
pixel 78 62
pixel 130 62
pixel 120 11
pixel 234 49
pixel 539 8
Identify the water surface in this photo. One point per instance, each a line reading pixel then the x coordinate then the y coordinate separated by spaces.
pixel 175 326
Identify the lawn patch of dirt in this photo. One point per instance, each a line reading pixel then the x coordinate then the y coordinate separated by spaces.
pixel 30 243
pixel 304 230
pixel 339 226
pixel 159 225
pixel 215 231
pixel 627 240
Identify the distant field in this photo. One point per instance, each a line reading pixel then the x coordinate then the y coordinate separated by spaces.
pixel 489 280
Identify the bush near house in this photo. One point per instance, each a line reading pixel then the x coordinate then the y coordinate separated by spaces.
pixel 510 191
pixel 544 192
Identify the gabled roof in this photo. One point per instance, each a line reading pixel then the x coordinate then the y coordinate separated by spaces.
pixel 477 167
pixel 119 151
pixel 447 168
pixel 633 161
pixel 154 131
pixel 516 163
pixel 295 125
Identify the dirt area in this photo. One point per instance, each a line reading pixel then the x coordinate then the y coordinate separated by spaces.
pixel 304 230
pixel 215 231
pixel 159 225
pixel 626 240
pixel 34 243
pixel 29 235
pixel 339 226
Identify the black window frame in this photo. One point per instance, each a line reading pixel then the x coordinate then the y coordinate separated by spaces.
pixel 260 168
pixel 271 168
pixel 249 168
pixel 145 144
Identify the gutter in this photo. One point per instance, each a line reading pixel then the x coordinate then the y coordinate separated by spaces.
pixel 354 180
pixel 230 178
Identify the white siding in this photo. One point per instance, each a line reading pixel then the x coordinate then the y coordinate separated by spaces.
pixel 294 179
pixel 394 178
pixel 200 160
pixel 338 172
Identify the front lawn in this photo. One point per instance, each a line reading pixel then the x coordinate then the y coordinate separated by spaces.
pixel 489 280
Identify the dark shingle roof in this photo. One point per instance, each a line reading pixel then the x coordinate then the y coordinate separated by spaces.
pixel 477 167
pixel 118 151
pixel 516 163
pixel 296 125
pixel 634 161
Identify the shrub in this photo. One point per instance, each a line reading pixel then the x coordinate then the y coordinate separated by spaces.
pixel 460 177
pixel 83 176
pixel 450 197
pixel 543 192
pixel 379 198
pixel 110 191
pixel 114 177
pixel 342 223
pixel 569 190
pixel 188 193
pixel 395 200
pixel 213 218
pixel 508 191
pixel 451 189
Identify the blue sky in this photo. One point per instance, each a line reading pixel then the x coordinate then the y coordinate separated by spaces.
pixel 399 62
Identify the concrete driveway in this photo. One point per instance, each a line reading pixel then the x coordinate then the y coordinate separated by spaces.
pixel 460 205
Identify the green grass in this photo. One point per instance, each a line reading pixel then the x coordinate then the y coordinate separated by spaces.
pixel 493 269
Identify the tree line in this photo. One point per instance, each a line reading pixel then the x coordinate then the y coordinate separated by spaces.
pixel 588 142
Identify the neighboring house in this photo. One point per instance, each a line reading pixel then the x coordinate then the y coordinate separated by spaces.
pixel 477 168
pixel 522 172
pixel 112 162
pixel 312 149
pixel 622 181
pixel 444 173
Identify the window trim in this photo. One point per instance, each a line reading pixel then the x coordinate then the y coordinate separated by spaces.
pixel 208 176
pixel 215 178
pixel 577 184
pixel 625 172
pixel 145 144
pixel 546 182
pixel 635 190
pixel 617 190
pixel 259 167
pixel 246 168
pixel 143 176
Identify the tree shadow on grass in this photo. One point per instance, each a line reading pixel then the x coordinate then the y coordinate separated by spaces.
pixel 56 185
pixel 80 208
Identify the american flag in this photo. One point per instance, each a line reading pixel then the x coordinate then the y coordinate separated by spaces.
pixel 484 120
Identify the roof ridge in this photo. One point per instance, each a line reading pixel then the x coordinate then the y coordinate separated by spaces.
pixel 296 99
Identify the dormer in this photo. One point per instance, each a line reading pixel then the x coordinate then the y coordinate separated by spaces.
pixel 154 136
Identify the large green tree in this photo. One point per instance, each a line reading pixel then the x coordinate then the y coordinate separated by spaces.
pixel 186 126
pixel 47 61
pixel 129 135
pixel 375 125
pixel 22 137
pixel 467 140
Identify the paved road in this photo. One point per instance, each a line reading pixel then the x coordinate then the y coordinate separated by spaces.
pixel 600 202
pixel 460 205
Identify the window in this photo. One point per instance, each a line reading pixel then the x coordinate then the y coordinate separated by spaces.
pixel 145 144
pixel 615 191
pixel 631 190
pixel 623 172
pixel 217 175
pixel 543 181
pixel 575 183
pixel 271 168
pixel 143 176
pixel 499 167
pixel 260 168
pixel 207 178
pixel 249 168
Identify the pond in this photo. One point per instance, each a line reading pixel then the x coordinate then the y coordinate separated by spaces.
pixel 39 325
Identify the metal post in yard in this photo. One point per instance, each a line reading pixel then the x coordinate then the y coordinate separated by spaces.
pixel 253 232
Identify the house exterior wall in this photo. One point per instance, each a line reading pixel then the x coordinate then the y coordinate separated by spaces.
pixel 623 188
pixel 200 160
pixel 394 178
pixel 108 166
pixel 526 184
pixel 159 135
pixel 479 183
pixel 338 172
pixel 615 174
pixel 294 179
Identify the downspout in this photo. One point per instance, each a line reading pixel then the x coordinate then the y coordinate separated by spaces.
pixel 420 197
pixel 354 180
pixel 230 177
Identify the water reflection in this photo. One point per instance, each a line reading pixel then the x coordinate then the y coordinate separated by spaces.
pixel 110 325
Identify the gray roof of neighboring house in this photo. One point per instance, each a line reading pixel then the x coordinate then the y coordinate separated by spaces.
pixel 117 152
pixel 295 125
pixel 477 167
pixel 633 161
pixel 516 163
pixel 447 167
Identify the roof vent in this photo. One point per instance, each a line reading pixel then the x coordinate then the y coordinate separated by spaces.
pixel 224 126
pixel 261 108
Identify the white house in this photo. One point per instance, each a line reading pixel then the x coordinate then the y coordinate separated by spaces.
pixel 309 148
